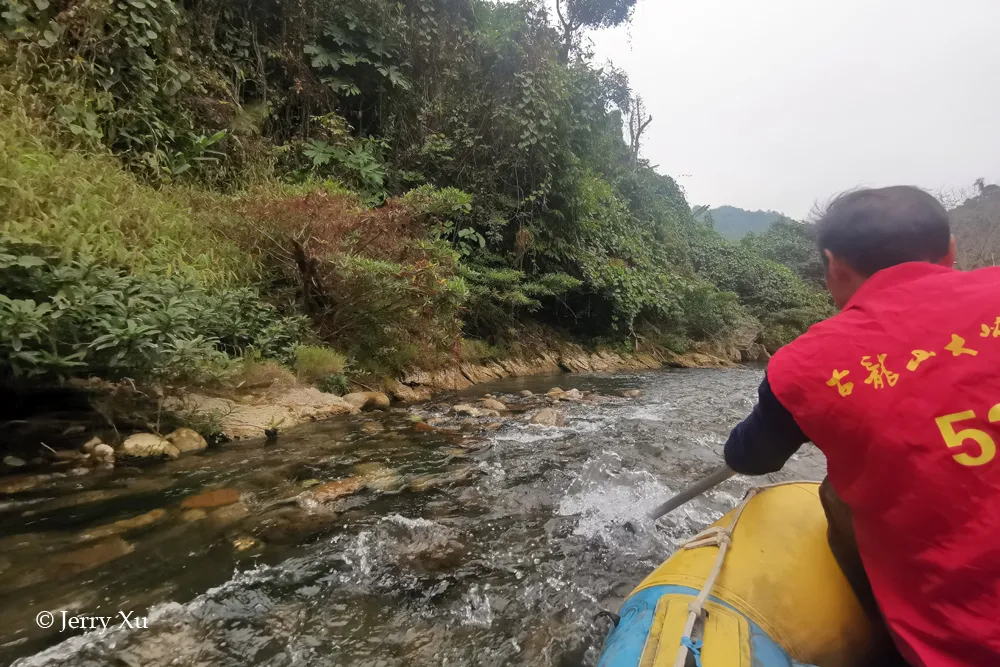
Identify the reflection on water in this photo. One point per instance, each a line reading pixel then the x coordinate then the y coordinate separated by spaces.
pixel 480 542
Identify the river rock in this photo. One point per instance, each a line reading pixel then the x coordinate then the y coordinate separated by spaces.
pixel 367 400
pixel 493 404
pixel 573 394
pixel 555 391
pixel 90 557
pixel 245 543
pixel 21 483
pixel 549 417
pixel 252 415
pixel 434 480
pixel 290 525
pixel 755 353
pixel 325 493
pixel 378 477
pixel 187 440
pixel 104 453
pixel 372 428
pixel 210 499
pixel 14 462
pixel 423 427
pixel 525 393
pixel 408 394
pixel 148 445
pixel 88 447
pixel 228 515
pixel 632 393
pixel 194 515
pixel 109 529
pixel 465 409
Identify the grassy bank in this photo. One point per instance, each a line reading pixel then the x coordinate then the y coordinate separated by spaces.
pixel 193 194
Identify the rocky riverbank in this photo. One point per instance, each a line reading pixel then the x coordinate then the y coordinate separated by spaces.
pixel 266 409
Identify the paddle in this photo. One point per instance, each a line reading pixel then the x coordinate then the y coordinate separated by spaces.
pixel 693 491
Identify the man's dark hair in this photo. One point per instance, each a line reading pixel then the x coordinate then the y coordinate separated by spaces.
pixel 873 229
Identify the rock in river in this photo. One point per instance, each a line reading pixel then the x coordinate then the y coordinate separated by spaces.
pixel 368 400
pixel 209 499
pixel 147 445
pixel 186 440
pixel 464 409
pixel 325 493
pixel 109 529
pixel 549 417
pixel 104 453
pixel 493 404
pixel 89 557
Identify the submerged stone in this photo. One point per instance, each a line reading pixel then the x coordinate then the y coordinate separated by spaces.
pixel 210 499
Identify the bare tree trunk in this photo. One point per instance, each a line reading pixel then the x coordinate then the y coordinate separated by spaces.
pixel 638 121
pixel 568 29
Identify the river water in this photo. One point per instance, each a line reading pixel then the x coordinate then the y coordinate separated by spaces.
pixel 480 542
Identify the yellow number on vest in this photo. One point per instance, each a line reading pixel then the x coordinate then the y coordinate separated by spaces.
pixel 952 438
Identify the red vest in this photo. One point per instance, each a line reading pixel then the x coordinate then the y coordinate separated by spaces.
pixel 901 392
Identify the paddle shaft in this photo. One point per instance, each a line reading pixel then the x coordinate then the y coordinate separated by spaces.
pixel 693 491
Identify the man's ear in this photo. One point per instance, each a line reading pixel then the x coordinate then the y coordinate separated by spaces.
pixel 949 258
pixel 834 267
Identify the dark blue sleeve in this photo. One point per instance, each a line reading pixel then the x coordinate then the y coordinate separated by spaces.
pixel 765 440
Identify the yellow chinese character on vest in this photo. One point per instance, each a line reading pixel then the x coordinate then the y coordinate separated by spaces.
pixel 846 388
pixel 878 374
pixel 919 356
pixel 957 347
pixel 995 331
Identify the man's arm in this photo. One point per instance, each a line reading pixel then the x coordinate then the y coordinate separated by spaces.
pixel 765 440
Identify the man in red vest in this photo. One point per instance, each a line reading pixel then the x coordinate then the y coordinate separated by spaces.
pixel 901 392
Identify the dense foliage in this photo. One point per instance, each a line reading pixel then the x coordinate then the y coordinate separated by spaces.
pixel 976 225
pixel 401 173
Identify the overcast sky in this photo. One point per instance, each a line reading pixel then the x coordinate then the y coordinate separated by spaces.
pixel 777 104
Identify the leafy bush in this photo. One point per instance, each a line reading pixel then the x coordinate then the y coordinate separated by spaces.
pixel 782 327
pixel 337 384
pixel 77 317
pixel 478 351
pixel 499 297
pixel 313 363
pixel 764 286
pixel 790 243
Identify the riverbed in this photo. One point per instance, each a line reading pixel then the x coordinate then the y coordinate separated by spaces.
pixel 375 541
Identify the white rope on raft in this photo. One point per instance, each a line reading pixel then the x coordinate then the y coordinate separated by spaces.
pixel 722 538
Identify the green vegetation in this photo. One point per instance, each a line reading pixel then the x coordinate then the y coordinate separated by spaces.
pixel 182 184
pixel 313 363
pixel 975 221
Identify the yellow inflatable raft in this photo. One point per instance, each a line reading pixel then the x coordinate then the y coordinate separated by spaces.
pixel 779 599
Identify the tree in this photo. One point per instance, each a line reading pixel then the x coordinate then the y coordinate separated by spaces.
pixel 575 15
pixel 976 225
pixel 638 121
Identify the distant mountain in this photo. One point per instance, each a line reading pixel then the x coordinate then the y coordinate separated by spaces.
pixel 734 223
